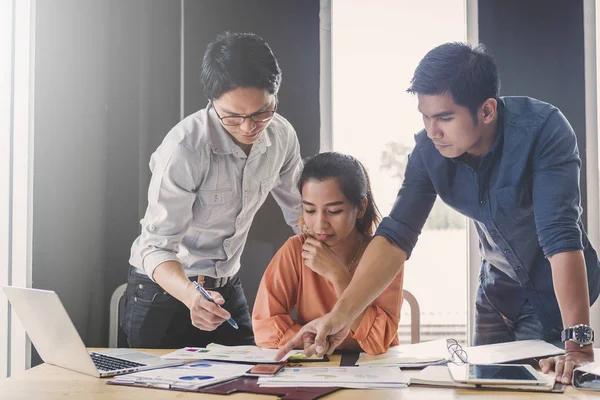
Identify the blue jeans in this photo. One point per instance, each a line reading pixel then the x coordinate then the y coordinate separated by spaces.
pixel 493 327
pixel 152 318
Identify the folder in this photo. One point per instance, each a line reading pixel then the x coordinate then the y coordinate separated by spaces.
pixel 242 384
pixel 250 385
pixel 587 377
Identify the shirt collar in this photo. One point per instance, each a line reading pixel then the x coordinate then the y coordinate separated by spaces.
pixel 220 141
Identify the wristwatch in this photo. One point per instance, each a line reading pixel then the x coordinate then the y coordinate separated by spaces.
pixel 580 334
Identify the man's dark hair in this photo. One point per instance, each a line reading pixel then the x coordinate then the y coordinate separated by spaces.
pixel 239 60
pixel 469 74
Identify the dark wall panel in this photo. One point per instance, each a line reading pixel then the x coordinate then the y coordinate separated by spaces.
pixel 538 46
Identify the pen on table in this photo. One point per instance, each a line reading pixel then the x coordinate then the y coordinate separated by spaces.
pixel 205 294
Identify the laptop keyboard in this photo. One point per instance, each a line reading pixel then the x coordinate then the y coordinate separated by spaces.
pixel 107 363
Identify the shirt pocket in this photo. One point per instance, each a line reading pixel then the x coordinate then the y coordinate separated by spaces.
pixel 212 204
pixel 513 203
pixel 263 191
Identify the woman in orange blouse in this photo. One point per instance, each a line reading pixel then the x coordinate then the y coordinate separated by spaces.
pixel 313 269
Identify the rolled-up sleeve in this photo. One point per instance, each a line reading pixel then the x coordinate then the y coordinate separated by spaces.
pixel 171 196
pixel 286 193
pixel 556 167
pixel 276 298
pixel 412 206
pixel 378 328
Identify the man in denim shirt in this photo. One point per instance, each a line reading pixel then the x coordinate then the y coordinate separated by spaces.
pixel 512 166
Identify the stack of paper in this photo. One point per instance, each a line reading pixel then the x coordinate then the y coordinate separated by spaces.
pixel 439 375
pixel 351 377
pixel 217 352
pixel 409 355
pixel 187 377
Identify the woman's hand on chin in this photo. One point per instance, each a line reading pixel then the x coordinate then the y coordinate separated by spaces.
pixel 321 259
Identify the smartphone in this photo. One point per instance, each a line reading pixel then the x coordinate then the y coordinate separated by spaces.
pixel 265 369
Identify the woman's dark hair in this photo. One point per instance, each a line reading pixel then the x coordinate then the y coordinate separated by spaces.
pixel 239 60
pixel 352 179
pixel 469 74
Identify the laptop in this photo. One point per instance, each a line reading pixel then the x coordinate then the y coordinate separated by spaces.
pixel 58 343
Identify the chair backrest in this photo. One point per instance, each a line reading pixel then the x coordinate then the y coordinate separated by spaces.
pixel 113 328
pixel 415 316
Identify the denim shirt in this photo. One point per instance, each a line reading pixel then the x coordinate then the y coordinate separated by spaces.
pixel 523 198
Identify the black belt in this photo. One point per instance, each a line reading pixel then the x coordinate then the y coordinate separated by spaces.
pixel 209 282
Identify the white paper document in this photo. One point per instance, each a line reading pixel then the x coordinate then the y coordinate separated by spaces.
pixel 217 352
pixel 409 355
pixel 189 377
pixel 510 351
pixel 347 377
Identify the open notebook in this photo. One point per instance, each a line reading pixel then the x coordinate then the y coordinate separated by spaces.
pixel 443 350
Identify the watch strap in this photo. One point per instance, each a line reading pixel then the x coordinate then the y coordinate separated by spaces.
pixel 566 334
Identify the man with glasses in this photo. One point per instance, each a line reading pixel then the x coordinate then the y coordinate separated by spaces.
pixel 210 176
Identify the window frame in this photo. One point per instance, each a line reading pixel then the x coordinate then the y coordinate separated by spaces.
pixel 16 183
pixel 591 37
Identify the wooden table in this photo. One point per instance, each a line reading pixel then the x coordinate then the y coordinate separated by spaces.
pixel 49 382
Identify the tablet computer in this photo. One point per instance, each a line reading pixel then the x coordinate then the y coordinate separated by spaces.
pixel 497 374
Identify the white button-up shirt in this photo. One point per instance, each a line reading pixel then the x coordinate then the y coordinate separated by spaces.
pixel 205 191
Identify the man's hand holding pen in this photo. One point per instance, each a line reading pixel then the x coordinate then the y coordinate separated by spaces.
pixel 205 310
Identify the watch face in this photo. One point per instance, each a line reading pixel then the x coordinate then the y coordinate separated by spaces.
pixel 582 334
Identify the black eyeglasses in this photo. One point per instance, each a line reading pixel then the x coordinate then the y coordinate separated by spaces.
pixel 259 117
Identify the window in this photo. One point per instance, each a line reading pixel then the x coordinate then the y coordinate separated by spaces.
pixel 376 47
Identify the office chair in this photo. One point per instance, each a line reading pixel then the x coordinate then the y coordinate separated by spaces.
pixel 113 328
pixel 415 316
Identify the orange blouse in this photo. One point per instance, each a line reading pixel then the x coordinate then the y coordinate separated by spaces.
pixel 288 283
